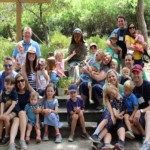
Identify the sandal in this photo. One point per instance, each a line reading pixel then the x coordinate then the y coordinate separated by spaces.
pixel 27 139
pixel 38 139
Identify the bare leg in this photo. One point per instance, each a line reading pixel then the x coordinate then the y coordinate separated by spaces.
pixel 7 125
pixel 147 126
pixel 57 130
pixel 103 133
pixel 140 128
pixel 22 124
pixel 46 129
pixel 121 133
pixel 14 130
pixel 127 122
pixel 82 121
pixel 29 129
pixel 90 92
pixel 74 123
pixel 1 128
pixel 107 138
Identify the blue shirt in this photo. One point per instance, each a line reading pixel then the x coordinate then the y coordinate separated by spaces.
pixel 26 46
pixel 130 102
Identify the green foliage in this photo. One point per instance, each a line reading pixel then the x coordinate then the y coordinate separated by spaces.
pixel 64 82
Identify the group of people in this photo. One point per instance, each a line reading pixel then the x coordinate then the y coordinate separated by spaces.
pixel 113 80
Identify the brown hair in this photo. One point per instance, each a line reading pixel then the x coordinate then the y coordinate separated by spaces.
pixel 10 79
pixel 49 85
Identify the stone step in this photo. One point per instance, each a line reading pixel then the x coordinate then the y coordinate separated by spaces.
pixel 65 130
pixel 90 115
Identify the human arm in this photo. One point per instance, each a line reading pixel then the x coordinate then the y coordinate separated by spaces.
pixel 115 49
pixel 37 121
pixel 2 108
pixel 99 76
pixel 38 79
pixel 12 106
pixel 70 56
pixel 133 113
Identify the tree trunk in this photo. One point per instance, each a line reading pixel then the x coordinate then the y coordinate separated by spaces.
pixel 141 20
pixel 10 34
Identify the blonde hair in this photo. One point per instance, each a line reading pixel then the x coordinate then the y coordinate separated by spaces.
pixel 107 91
pixel 112 70
pixel 114 61
pixel 41 61
pixel 58 53
pixel 129 85
pixel 33 95
pixel 125 68
pixel 19 44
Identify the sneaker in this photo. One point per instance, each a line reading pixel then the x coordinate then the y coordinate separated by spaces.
pixel 5 141
pixel 129 134
pixel 45 137
pixel 91 101
pixel 119 145
pixel 96 146
pixel 145 146
pixel 107 147
pixel 58 138
pixel 23 145
pixel 12 146
pixel 94 138
pixel 71 138
pixel 86 136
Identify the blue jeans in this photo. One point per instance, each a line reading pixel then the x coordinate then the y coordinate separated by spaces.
pixel 54 78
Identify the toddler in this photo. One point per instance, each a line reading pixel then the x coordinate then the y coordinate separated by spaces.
pixel 131 106
pixel 125 75
pixel 33 119
pixel 75 111
pixel 50 111
pixel 42 76
pixel 8 109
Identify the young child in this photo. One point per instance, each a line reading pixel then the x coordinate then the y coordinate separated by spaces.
pixel 131 106
pixel 50 111
pixel 75 111
pixel 42 76
pixel 115 109
pixel 125 75
pixel 94 67
pixel 33 119
pixel 114 64
pixel 58 72
pixel 115 54
pixel 21 56
pixel 7 107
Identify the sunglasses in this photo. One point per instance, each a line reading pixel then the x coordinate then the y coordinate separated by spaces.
pixel 7 65
pixel 131 27
pixel 18 81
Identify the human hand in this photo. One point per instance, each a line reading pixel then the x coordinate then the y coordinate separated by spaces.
pixel 113 119
pixel 37 110
pixel 47 111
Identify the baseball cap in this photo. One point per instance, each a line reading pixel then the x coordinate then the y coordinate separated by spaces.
pixel 72 88
pixel 77 30
pixel 137 68
pixel 93 44
pixel 113 35
pixel 31 49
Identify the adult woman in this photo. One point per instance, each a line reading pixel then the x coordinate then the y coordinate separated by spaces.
pixel 29 68
pixel 99 81
pixel 79 45
pixel 131 44
pixel 129 62
pixel 20 121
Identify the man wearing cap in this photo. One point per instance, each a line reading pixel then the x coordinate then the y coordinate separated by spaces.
pixel 121 31
pixel 27 42
pixel 142 116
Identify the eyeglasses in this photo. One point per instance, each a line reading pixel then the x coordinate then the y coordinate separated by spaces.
pixel 131 27
pixel 18 81
pixel 7 65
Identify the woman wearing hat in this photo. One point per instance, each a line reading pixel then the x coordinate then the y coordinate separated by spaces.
pixel 29 68
pixel 79 45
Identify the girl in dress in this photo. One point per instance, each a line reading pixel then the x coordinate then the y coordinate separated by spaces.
pixel 42 76
pixel 50 111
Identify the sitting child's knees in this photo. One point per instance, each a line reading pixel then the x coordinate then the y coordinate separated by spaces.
pixel 75 117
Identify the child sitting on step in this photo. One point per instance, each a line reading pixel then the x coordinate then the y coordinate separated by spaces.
pixel 75 110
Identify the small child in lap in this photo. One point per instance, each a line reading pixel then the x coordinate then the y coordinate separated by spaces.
pixel 131 105
pixel 75 110
pixel 8 108
pixel 50 111
pixel 33 119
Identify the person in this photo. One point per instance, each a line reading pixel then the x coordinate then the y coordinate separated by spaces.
pixel 131 107
pixel 50 111
pixel 93 68
pixel 99 81
pixel 7 107
pixel 125 75
pixel 129 62
pixel 21 55
pixel 20 121
pixel 8 70
pixel 42 76
pixel 141 118
pixel 29 68
pixel 59 70
pixel 114 64
pixel 75 112
pixel 131 45
pixel 121 31
pixel 33 119
pixel 78 45
pixel 27 42
pixel 117 55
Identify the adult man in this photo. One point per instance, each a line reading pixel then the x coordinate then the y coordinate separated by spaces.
pixel 27 42
pixel 8 70
pixel 121 31
pixel 142 116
